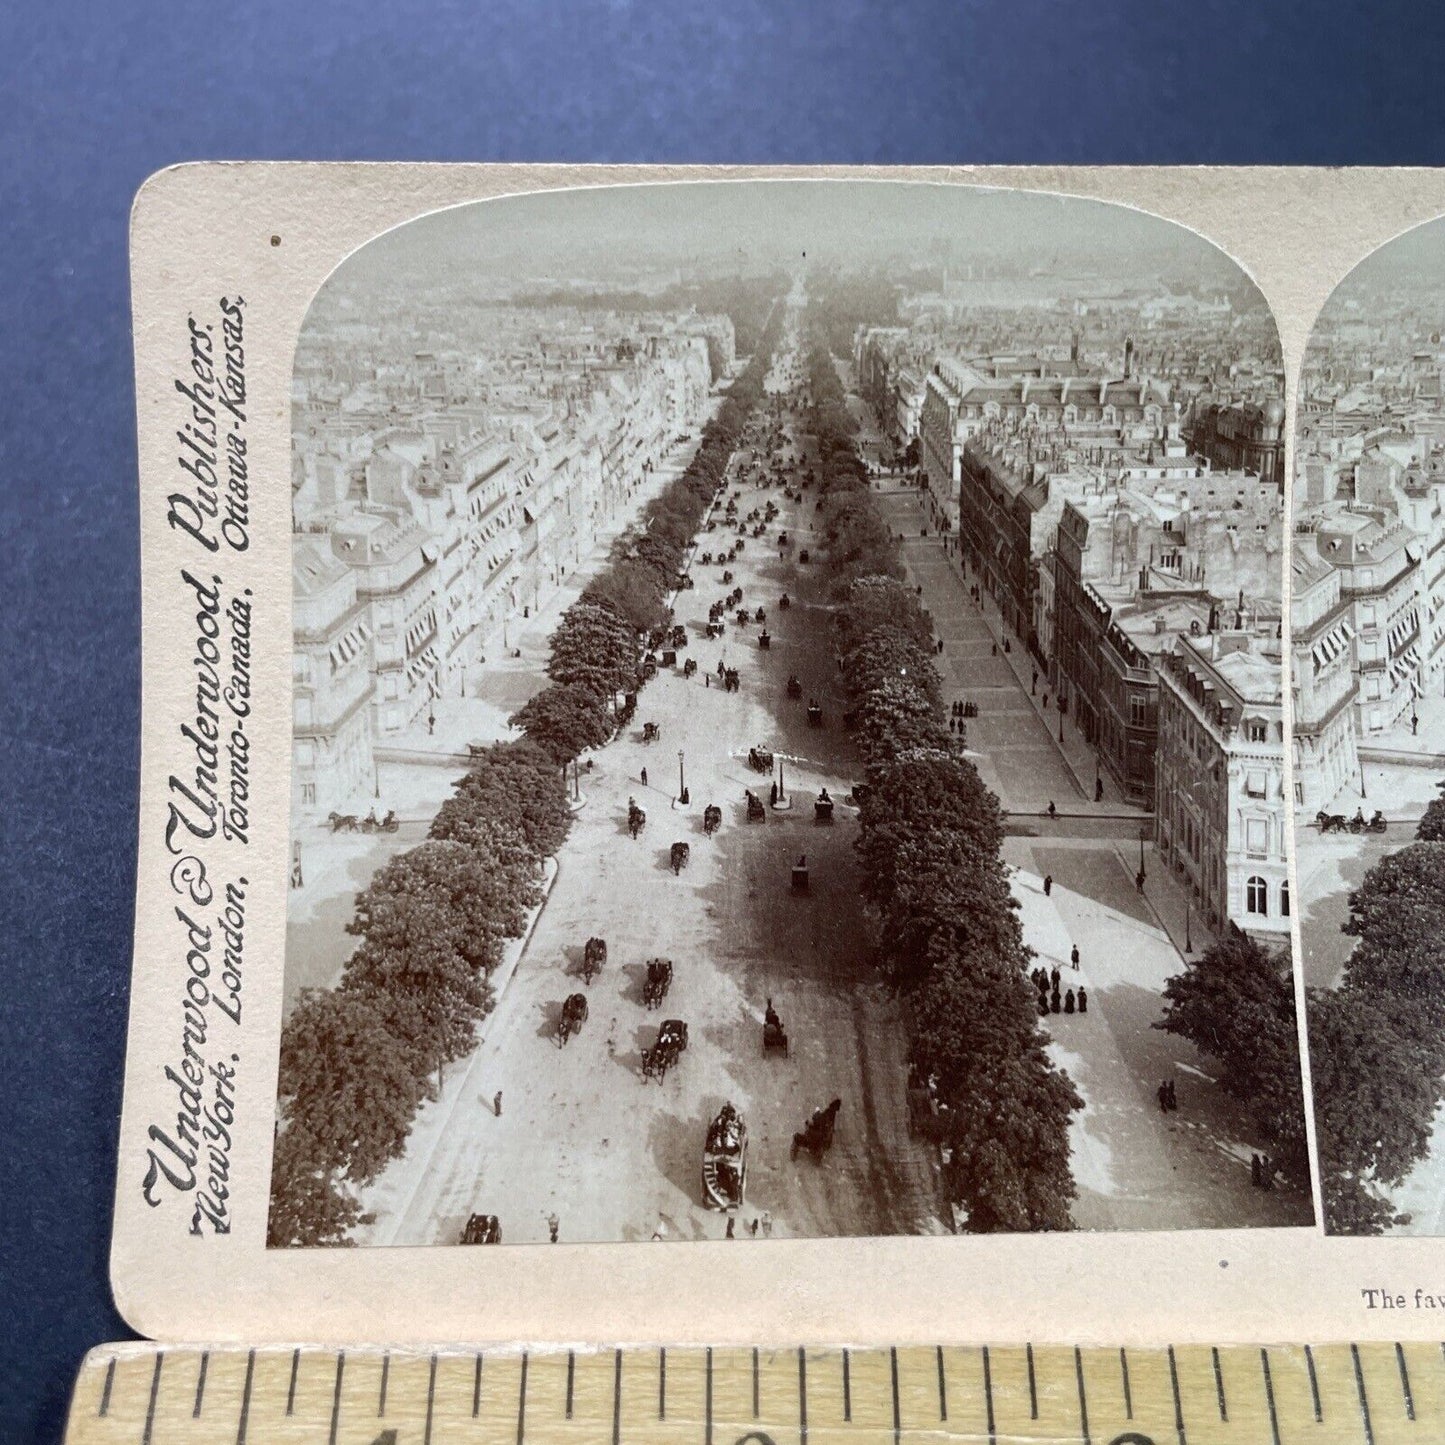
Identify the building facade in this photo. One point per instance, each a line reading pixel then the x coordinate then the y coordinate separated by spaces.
pixel 1222 811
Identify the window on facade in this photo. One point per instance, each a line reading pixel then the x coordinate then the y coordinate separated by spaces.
pixel 308 794
pixel 1255 782
pixel 1138 710
pixel 1256 836
pixel 1256 730
pixel 1284 899
pixel 1256 896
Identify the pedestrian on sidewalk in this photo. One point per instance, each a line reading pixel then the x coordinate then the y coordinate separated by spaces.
pixel 767 1224
pixel 1098 790
pixel 1046 702
pixel 1074 957
pixel 1034 685
pixel 1139 880
pixel 995 650
pixel 1256 1171
pixel 1162 1094
pixel 1054 1000
pixel 1054 977
pixel 497 1103
pixel 730 1233
pixel 1069 1002
pixel 753 1227
pixel 1048 884
pixel 1053 812
pixel 553 1224
pixel 644 777
pixel 1083 999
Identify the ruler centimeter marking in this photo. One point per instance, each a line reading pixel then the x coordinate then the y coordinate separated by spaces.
pixel 1376 1394
pixel 1360 1391
pixel 1219 1383
pixel 1178 1403
pixel 1269 1396
pixel 201 1385
pixel 1405 1382
pixel 335 1397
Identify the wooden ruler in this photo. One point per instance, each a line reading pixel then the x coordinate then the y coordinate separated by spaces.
pixel 1373 1394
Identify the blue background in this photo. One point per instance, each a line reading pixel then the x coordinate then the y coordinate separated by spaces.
pixel 93 97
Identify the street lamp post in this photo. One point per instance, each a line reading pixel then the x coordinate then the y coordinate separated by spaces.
pixel 1143 838
pixel 1188 941
pixel 681 780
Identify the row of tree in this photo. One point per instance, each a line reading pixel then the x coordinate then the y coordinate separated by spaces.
pixel 948 928
pixel 1377 1042
pixel 433 924
pixel 594 650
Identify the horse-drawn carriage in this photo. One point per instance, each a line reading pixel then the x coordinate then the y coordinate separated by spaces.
pixel 649 667
pixel 816 1136
pixel 705 558
pixel 678 636
pixel 730 679
pixel 795 686
pixel 689 668
pixel 783 542
pixel 725 1160
pixel 823 807
pixel 785 602
pixel 678 856
pixel 761 615
pixel 594 955
pixel 760 760
pixel 775 1037
pixel 664 1054
pixel 1338 823
pixel 574 1015
pixel 803 556
pixel 815 714
pixel 715 629
pixel 711 819
pixel 669 657
pixel 650 732
pixel 765 640
pixel 636 817
pixel 482 1229
pixel 657 982
pixel 756 812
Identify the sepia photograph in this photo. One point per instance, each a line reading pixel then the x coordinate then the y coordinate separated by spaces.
pixel 788 723
pixel 1368 655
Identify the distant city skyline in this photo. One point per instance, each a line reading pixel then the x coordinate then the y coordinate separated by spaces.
pixel 774 223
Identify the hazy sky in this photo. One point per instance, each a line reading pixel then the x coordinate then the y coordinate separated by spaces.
pixel 574 233
pixel 1414 261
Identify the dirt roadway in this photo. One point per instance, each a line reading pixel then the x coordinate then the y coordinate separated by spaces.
pixel 580 1135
